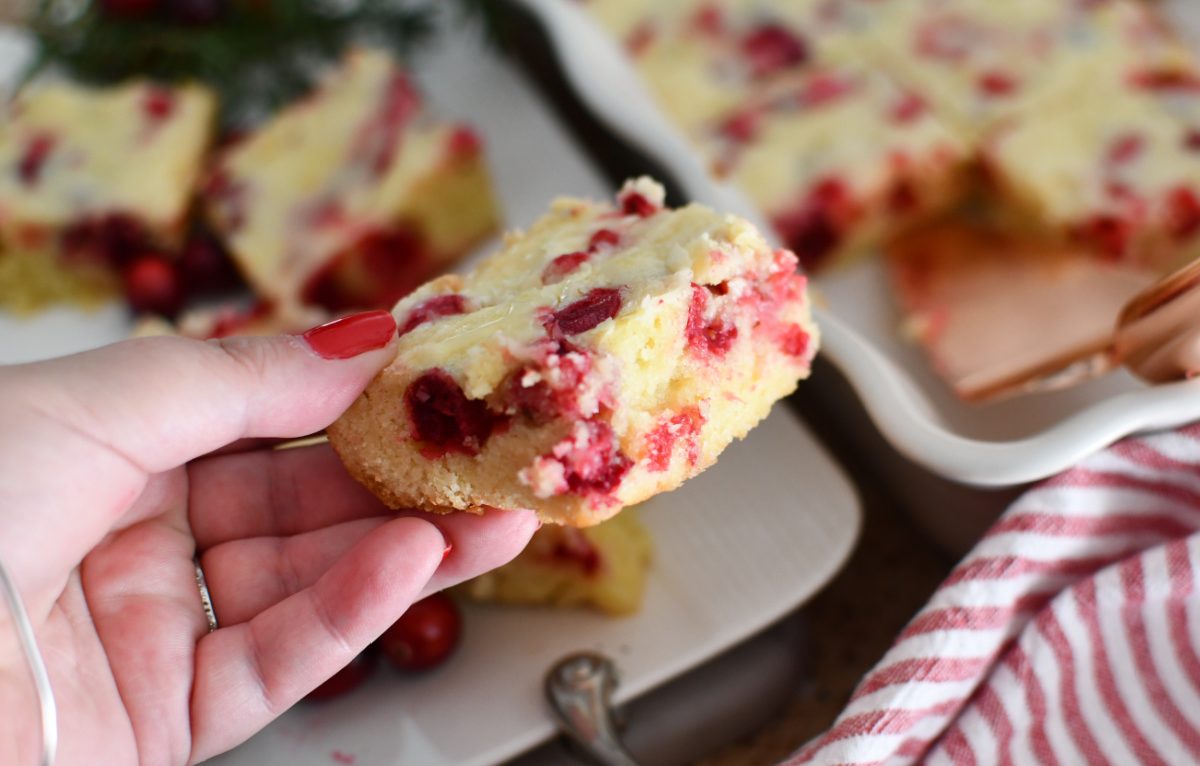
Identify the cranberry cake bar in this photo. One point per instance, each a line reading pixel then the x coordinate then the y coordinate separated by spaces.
pixel 700 59
pixel 91 178
pixel 981 62
pixel 839 157
pixel 352 197
pixel 1116 168
pixel 836 154
pixel 602 566
pixel 605 355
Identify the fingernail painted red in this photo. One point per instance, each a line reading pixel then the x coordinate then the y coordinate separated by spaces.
pixel 446 553
pixel 352 335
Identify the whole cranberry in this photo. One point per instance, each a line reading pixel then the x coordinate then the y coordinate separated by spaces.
pixel 345 680
pixel 206 265
pixel 425 636
pixel 152 283
pixel 128 9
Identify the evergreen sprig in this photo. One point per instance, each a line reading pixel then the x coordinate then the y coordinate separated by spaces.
pixel 258 54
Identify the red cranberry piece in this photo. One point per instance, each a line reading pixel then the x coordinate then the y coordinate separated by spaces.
pixel 153 284
pixel 593 308
pixel 1118 190
pixel 380 269
pixel 811 233
pixel 375 146
pixel 465 142
pixel 661 441
pixel 540 402
pixel 997 84
pixel 599 466
pixel 633 203
pixel 444 419
pixel 715 337
pixel 112 239
pixel 345 680
pixel 1191 140
pixel 424 636
pixel 824 89
pixel 562 266
pixel 205 264
pixel 1166 79
pixel 1183 212
pixel 902 198
pixel 574 548
pixel 950 38
pixel 772 47
pixel 908 109
pixel 742 126
pixel 1109 234
pixel 1126 148
pixel 434 308
pixel 795 341
pixel 128 9
pixel 640 39
pixel 708 20
pixel 158 103
pixel 327 214
pixel 603 237
pixel 29 170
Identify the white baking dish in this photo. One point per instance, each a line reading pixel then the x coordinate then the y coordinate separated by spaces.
pixel 1002 444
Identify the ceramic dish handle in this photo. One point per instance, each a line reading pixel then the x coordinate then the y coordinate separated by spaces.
pixel 579 689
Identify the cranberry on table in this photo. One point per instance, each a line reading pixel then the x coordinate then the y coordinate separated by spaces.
pixel 345 680
pixel 425 636
pixel 152 283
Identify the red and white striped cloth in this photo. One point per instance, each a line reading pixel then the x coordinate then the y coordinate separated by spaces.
pixel 1069 635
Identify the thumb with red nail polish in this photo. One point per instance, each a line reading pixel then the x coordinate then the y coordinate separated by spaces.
pixel 164 401
pixel 352 335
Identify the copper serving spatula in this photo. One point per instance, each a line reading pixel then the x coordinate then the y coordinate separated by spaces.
pixel 1003 314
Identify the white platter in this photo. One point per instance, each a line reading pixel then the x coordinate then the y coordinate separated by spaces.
pixel 736 548
pixel 1002 444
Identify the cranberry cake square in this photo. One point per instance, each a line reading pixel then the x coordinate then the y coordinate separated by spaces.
pixel 354 196
pixel 603 356
pixel 91 178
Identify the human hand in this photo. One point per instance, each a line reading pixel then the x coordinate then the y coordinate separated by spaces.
pixel 108 490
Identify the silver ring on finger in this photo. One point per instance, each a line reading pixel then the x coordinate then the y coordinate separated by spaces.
pixel 205 597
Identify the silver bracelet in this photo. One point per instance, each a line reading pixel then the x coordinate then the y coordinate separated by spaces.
pixel 37 668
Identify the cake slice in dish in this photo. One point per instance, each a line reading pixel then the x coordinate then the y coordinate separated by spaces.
pixel 602 567
pixel 839 157
pixel 981 62
pixel 701 58
pixel 603 356
pixel 353 196
pixel 1115 168
pixel 91 178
